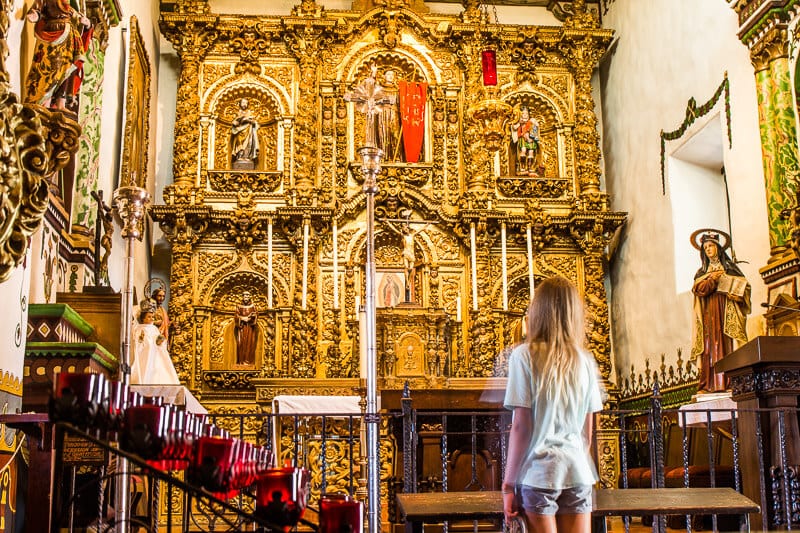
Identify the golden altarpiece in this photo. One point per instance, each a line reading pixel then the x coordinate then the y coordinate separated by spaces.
pixel 267 188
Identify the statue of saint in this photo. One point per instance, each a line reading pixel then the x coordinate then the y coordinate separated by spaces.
pixel 62 38
pixel 151 363
pixel 160 316
pixel 525 136
pixel 244 139
pixel 389 118
pixel 244 335
pixel 721 303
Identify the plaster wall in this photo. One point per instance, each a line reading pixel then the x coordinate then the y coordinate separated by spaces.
pixel 669 51
pixel 113 123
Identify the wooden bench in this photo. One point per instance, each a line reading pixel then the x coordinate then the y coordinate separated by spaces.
pixel 435 507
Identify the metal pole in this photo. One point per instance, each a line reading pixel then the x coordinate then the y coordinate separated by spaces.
pixel 371 167
pixel 131 205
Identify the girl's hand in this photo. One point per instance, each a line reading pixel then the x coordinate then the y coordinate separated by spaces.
pixel 509 508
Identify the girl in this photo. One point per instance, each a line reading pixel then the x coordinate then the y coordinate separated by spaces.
pixel 553 389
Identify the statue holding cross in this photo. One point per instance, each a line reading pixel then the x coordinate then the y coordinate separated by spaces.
pixel 372 100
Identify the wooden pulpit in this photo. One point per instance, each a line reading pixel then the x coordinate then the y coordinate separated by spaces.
pixel 765 374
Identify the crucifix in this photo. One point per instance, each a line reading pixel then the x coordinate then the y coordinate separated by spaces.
pixel 103 233
pixel 409 256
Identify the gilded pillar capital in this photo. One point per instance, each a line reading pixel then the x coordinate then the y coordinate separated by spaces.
pixel 773 45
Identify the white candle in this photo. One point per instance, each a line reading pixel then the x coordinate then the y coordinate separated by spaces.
pixel 269 263
pixel 530 261
pixel 335 267
pixel 362 344
pixel 199 154
pixel 504 264
pixel 474 265
pixel 458 308
pixel 305 264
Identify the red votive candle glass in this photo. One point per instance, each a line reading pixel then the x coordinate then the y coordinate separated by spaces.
pixel 281 496
pixel 340 513
pixel 489 67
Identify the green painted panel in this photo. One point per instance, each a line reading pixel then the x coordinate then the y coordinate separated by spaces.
pixel 88 156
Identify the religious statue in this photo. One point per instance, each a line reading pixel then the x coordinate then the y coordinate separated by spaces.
pixel 525 136
pixel 370 99
pixel 389 131
pixel 156 291
pixel 151 362
pixel 243 336
pixel 409 255
pixel 244 139
pixel 62 38
pixel 160 317
pixel 721 303
pixel 104 233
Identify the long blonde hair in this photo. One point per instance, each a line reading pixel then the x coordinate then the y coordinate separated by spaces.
pixel 556 335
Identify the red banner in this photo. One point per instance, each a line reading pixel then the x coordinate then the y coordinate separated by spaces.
pixel 413 96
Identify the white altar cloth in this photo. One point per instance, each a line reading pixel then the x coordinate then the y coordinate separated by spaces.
pixel 174 394
pixel 697 413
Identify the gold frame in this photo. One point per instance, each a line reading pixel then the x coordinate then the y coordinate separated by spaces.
pixel 137 110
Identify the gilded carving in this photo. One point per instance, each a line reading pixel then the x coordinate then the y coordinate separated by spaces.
pixel 213 72
pixel 294 72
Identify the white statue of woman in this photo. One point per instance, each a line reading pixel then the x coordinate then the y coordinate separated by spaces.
pixel 151 363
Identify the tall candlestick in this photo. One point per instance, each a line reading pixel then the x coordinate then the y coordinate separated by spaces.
pixel 269 263
pixel 305 263
pixel 199 153
pixel 504 264
pixel 474 266
pixel 530 261
pixel 335 267
pixel 362 344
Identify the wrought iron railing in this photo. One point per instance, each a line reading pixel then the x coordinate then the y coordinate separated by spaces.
pixel 329 445
pixel 458 451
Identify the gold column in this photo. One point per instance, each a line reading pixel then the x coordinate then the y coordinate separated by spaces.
pixel 586 45
pixel 191 35
pixel 476 157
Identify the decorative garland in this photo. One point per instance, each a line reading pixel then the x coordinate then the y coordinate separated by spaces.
pixel 692 114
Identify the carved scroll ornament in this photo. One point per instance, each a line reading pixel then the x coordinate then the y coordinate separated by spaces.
pixel 23 163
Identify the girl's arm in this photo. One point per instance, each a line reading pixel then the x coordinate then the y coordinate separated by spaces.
pixel 588 433
pixel 518 440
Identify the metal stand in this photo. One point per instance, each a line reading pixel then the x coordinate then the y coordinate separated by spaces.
pixel 130 203
pixel 370 168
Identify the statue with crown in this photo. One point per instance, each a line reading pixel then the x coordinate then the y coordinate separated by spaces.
pixel 720 309
pixel 151 363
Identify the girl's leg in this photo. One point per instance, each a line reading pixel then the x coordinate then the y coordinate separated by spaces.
pixel 541 523
pixel 574 523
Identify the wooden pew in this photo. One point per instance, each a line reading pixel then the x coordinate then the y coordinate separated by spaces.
pixel 435 507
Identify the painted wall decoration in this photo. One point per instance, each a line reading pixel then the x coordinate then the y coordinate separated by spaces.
pixel 693 112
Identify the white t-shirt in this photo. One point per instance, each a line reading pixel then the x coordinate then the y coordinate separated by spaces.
pixel 557 456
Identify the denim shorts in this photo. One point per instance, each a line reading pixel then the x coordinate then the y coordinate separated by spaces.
pixel 574 500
